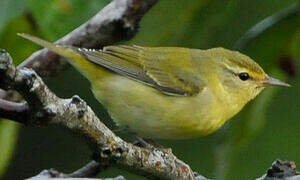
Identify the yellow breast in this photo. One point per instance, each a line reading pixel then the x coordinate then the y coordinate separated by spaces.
pixel 152 114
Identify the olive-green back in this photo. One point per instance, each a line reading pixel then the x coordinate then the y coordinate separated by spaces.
pixel 169 69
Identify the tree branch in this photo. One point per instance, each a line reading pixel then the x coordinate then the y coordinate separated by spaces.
pixel 281 170
pixel 89 170
pixel 53 174
pixel 118 21
pixel 45 108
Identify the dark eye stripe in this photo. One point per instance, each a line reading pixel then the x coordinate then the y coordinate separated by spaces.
pixel 244 76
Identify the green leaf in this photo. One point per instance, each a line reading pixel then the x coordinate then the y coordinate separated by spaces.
pixel 18 48
pixel 10 9
pixel 62 16
pixel 8 138
pixel 203 24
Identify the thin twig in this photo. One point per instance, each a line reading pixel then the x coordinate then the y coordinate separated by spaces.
pixel 11 110
pixel 265 24
pixel 53 174
pixel 89 170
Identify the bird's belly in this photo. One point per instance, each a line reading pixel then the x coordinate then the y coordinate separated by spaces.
pixel 152 114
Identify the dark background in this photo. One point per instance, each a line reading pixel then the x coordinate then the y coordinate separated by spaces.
pixel 266 129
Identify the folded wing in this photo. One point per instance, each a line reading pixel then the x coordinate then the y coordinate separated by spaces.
pixel 168 69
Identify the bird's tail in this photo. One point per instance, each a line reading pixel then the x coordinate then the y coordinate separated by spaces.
pixel 87 68
pixel 59 49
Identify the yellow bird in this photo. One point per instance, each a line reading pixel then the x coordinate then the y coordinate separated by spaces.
pixel 168 92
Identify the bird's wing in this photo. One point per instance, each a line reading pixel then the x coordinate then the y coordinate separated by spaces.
pixel 169 70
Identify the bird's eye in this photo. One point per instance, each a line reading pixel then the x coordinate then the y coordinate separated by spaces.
pixel 244 76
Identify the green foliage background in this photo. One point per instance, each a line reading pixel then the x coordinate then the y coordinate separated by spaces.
pixel 266 129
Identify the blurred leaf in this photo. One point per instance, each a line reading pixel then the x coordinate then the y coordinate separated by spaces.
pixel 203 23
pixel 15 44
pixel 10 9
pixel 267 23
pixel 62 16
pixel 8 139
pixel 294 49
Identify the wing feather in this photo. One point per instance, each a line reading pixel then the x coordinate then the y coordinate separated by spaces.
pixel 157 67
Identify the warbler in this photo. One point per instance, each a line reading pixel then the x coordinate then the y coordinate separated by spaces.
pixel 168 92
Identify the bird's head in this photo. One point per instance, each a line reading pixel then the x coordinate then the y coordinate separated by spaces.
pixel 240 76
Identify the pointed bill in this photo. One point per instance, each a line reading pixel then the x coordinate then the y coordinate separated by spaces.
pixel 274 82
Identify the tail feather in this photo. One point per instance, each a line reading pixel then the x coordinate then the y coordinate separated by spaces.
pixel 88 69
pixel 65 51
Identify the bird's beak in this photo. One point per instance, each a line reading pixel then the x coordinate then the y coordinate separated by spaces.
pixel 269 81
